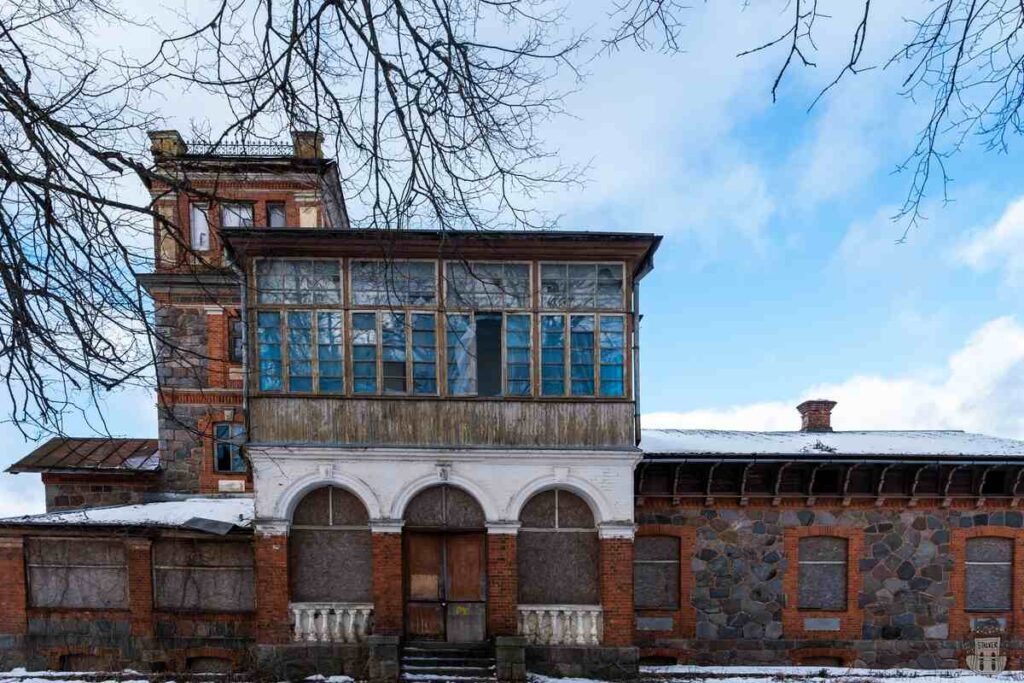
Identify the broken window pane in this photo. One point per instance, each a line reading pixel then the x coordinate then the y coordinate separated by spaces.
pixel 613 356
pixel 517 355
pixel 478 285
pixel 822 573
pixel 227 448
pixel 394 283
pixel 582 285
pixel 392 330
pixel 461 340
pixel 989 574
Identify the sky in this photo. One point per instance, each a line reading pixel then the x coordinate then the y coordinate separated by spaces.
pixel 781 275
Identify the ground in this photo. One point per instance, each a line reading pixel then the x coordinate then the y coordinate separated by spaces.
pixel 655 674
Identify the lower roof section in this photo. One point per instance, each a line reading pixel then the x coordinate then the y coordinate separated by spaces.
pixel 212 514
pixel 69 454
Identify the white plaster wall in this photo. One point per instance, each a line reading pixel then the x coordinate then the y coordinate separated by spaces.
pixel 387 479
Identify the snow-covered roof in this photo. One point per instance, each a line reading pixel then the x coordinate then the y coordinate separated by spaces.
pixel 698 442
pixel 237 511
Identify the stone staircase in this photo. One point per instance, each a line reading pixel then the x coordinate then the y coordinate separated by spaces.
pixel 439 662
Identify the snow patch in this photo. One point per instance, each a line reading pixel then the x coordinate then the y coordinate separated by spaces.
pixel 237 511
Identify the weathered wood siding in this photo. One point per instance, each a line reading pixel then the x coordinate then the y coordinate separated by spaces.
pixel 410 422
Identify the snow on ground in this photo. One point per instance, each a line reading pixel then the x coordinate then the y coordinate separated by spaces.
pixel 921 443
pixel 174 513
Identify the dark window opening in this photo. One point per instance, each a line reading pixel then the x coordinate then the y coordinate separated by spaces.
pixel 488 349
pixel 227 447
pixel 995 484
pixel 826 481
pixel 276 215
pixel 236 339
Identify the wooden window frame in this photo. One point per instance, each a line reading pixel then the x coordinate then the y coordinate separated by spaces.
pixel 851 619
pixel 534 391
pixel 623 299
pixel 596 364
pixel 530 286
pixel 348 296
pixel 378 314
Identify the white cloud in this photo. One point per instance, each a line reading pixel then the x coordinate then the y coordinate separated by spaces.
pixel 1000 245
pixel 981 389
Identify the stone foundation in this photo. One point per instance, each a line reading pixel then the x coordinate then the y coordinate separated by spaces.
pixel 602 663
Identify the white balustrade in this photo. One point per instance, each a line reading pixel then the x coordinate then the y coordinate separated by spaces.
pixel 561 624
pixel 331 622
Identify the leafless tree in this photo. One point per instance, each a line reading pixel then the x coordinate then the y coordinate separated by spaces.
pixel 432 107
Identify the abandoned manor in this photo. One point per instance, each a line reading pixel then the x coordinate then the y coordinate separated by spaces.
pixel 413 455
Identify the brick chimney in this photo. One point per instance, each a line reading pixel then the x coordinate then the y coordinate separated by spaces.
pixel 166 143
pixel 308 144
pixel 816 415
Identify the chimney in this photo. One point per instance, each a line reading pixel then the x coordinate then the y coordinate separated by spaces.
pixel 166 143
pixel 816 415
pixel 308 144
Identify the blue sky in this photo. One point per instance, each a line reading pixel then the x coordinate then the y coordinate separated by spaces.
pixel 780 276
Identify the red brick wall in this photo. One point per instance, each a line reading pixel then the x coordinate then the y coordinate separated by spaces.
pixel 502 585
pixel 12 587
pixel 273 621
pixel 617 590
pixel 387 584
pixel 140 585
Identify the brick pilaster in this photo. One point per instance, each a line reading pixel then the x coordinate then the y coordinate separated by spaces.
pixel 617 590
pixel 273 621
pixel 13 598
pixel 387 583
pixel 502 585
pixel 140 585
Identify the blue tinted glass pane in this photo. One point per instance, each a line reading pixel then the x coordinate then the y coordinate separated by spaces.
pixel 424 370
pixel 300 383
pixel 518 338
pixel 329 352
pixel 393 353
pixel 582 388
pixel 270 375
pixel 519 323
pixel 553 371
pixel 518 388
pixel 268 319
pixel 425 386
pixel 330 369
pixel 612 355
pixel 610 388
pixel 519 372
pixel 364 353
pixel 221 431
pixel 328 385
pixel 552 388
pixel 364 321
pixel 424 354
pixel 516 355
pixel 612 324
pixel 364 370
pixel 366 386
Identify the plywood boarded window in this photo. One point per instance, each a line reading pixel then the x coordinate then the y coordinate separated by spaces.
pixel 822 577
pixel 989 574
pixel 329 548
pixel 444 507
pixel 203 576
pixel 656 572
pixel 77 574
pixel 558 551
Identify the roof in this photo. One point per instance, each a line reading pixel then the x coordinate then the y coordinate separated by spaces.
pixel 717 444
pixel 190 513
pixel 65 454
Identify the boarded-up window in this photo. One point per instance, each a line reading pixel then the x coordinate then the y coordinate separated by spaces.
pixel 203 576
pixel 330 555
pixel 822 573
pixel 446 507
pixel 656 572
pixel 989 574
pixel 558 551
pixel 71 573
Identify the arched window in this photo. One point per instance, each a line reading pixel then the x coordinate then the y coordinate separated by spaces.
pixel 444 507
pixel 822 575
pixel 989 574
pixel 558 551
pixel 330 556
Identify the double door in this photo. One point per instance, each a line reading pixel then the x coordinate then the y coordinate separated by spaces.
pixel 445 586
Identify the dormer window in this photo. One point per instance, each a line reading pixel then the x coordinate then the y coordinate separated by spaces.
pixel 236 215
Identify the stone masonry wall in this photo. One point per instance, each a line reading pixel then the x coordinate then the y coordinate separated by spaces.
pixel 742 604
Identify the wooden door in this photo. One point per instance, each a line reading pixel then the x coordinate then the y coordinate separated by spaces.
pixel 466 589
pixel 424 581
pixel 446 586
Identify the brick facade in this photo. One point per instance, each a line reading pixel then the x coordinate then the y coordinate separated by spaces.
pixel 387 584
pixel 140 585
pixel 502 585
pixel 71 491
pixel 617 590
pixel 273 621
pixel 13 606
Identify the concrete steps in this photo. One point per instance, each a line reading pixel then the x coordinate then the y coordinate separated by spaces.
pixel 440 662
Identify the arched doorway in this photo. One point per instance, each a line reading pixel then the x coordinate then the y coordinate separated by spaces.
pixel 445 566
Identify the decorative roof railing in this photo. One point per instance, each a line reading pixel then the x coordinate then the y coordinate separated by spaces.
pixel 240 148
